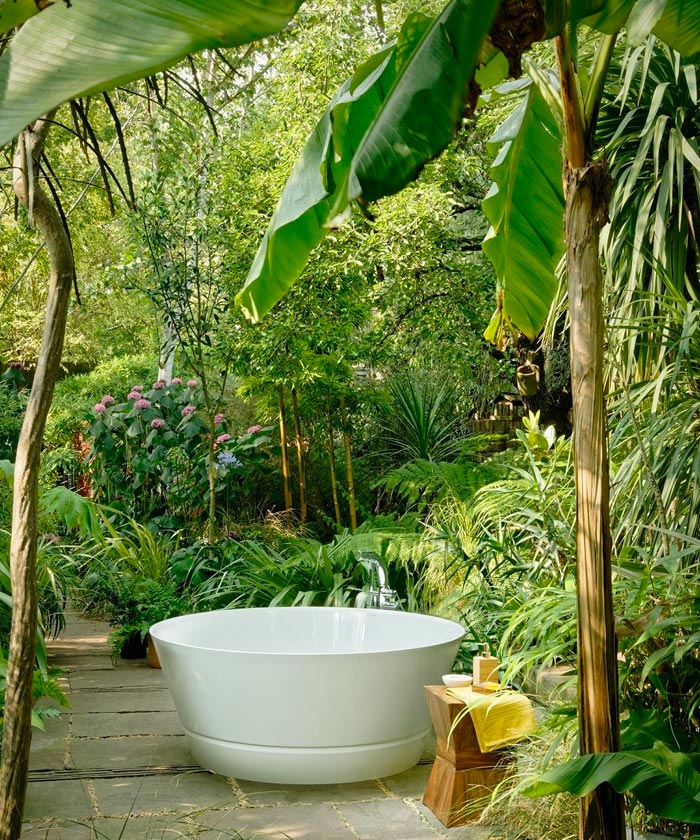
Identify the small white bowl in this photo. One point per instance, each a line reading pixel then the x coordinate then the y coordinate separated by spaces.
pixel 457 680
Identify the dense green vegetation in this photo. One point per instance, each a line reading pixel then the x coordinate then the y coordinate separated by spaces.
pixel 231 464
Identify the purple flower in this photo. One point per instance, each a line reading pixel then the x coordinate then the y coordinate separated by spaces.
pixel 133 395
pixel 137 388
pixel 228 459
pixel 99 408
pixel 108 399
pixel 141 404
pixel 176 381
pixel 187 410
pixel 192 383
pixel 159 385
pixel 157 423
pixel 219 419
pixel 253 429
pixel 223 438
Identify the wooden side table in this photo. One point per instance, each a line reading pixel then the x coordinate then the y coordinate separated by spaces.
pixel 461 773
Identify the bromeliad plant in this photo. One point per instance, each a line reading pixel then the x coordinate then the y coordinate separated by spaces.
pixel 150 454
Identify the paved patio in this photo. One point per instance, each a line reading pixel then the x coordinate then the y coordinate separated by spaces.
pixel 116 765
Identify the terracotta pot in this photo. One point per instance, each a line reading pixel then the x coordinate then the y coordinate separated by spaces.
pixel 528 378
pixel 152 654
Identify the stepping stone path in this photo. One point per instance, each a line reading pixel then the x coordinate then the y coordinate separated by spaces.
pixel 115 766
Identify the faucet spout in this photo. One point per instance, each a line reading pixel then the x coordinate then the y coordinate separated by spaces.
pixel 379 595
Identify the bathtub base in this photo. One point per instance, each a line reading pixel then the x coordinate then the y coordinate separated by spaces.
pixel 307 765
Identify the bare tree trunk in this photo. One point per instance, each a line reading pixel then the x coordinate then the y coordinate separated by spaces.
pixel 285 454
pixel 20 667
pixel 348 466
pixel 331 458
pixel 166 355
pixel 300 458
pixel 168 341
pixel 602 811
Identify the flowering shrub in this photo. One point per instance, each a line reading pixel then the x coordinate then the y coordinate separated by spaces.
pixel 150 453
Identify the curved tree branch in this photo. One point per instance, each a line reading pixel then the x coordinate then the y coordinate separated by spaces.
pixel 23 547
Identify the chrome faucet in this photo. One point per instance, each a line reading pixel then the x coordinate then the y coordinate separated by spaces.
pixel 379 595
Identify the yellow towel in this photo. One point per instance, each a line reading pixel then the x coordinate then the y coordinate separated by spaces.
pixel 499 719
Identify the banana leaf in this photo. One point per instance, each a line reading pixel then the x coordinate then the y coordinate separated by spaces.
pixel 399 110
pixel 85 46
pixel 667 783
pixel 525 206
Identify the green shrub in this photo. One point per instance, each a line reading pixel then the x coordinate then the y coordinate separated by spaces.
pixel 12 404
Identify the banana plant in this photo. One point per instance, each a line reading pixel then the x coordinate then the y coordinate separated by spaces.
pixel 374 138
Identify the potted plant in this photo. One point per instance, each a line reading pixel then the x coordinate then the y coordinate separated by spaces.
pixel 147 603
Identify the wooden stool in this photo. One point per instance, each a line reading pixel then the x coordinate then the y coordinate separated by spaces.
pixel 461 773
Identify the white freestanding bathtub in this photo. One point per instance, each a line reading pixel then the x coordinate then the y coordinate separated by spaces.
pixel 305 695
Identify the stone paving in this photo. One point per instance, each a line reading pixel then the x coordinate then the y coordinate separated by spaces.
pixel 115 766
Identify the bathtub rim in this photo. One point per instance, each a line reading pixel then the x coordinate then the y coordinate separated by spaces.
pixel 458 633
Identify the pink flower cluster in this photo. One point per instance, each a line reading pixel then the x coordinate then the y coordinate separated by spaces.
pixel 99 408
pixel 108 399
pixel 176 381
pixel 187 410
pixel 133 394
pixel 219 419
pixel 253 429
pixel 157 423
pixel 192 383
pixel 141 404
pixel 159 385
pixel 223 438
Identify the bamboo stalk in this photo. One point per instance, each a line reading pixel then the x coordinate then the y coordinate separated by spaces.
pixel 331 457
pixel 348 466
pixel 300 457
pixel 285 455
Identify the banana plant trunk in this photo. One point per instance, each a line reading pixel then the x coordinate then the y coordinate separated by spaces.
pixel 300 457
pixel 285 454
pixel 586 188
pixel 16 737
pixel 587 191
pixel 331 458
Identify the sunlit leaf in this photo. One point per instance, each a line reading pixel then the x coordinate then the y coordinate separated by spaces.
pixel 398 111
pixel 525 206
pixel 88 45
pixel 666 783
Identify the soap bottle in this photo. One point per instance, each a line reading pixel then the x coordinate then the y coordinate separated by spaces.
pixel 485 668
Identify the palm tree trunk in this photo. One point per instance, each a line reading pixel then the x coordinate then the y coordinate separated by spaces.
pixel 20 666
pixel 348 466
pixel 285 454
pixel 331 458
pixel 300 458
pixel 602 811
